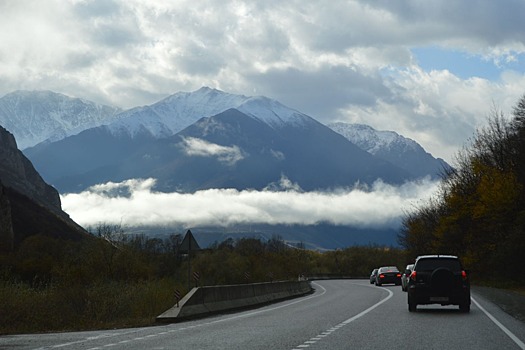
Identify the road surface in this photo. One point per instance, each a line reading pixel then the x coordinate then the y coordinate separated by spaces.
pixel 341 314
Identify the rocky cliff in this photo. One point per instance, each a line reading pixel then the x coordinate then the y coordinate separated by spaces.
pixel 28 205
pixel 17 172
pixel 6 225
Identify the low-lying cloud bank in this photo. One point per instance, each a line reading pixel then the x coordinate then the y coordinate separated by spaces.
pixel 135 203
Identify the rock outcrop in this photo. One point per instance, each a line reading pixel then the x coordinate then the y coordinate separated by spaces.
pixel 28 205
pixel 18 173
pixel 6 225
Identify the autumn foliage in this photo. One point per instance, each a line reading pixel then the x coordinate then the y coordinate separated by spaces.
pixel 479 212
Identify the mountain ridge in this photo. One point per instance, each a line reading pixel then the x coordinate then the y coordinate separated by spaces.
pixel 201 157
pixel 390 146
pixel 43 115
pixel 252 143
pixel 135 134
pixel 178 111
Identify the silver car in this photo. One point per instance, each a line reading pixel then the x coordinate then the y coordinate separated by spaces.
pixel 405 276
pixel 373 275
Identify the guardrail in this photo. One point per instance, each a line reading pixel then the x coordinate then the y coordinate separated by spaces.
pixel 330 276
pixel 203 301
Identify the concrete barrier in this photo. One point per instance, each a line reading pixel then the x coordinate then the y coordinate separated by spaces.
pixel 203 301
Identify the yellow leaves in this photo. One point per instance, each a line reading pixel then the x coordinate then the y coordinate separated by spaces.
pixel 497 192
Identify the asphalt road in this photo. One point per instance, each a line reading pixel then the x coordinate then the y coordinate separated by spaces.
pixel 341 314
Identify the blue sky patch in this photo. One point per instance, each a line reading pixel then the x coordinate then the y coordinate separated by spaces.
pixel 462 64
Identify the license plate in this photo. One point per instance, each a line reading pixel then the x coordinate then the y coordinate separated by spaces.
pixel 439 299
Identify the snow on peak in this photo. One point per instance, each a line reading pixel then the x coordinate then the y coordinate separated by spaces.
pixel 36 116
pixel 180 110
pixel 270 111
pixel 175 112
pixel 370 139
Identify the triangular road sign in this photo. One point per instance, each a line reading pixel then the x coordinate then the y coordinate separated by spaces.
pixel 189 243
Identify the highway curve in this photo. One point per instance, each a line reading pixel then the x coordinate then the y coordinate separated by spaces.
pixel 341 314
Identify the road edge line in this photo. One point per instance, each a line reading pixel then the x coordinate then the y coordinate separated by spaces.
pixel 511 335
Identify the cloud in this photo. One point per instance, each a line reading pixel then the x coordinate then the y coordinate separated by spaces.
pixel 197 147
pixel 135 203
pixel 335 86
pixel 336 61
pixel 437 108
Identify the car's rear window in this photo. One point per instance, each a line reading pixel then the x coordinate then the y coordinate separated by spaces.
pixel 389 269
pixel 429 264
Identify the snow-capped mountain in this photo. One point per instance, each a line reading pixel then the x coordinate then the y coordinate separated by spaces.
pixel 36 116
pixel 174 113
pixel 260 139
pixel 273 113
pixel 372 140
pixel 390 146
pixel 211 139
pixel 178 111
pixel 235 150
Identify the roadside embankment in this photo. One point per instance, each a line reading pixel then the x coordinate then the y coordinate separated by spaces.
pixel 202 301
pixel 509 301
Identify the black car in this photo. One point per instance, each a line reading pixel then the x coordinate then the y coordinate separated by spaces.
pixel 438 279
pixel 373 275
pixel 388 274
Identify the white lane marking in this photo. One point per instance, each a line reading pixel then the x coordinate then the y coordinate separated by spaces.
pixel 346 322
pixel 501 326
pixel 390 294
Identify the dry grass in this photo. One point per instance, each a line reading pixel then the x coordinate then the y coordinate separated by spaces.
pixel 62 308
pixel 520 290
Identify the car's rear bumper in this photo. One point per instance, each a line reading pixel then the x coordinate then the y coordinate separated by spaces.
pixel 423 295
pixel 389 278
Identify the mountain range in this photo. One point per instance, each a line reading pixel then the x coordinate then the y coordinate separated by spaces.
pixel 38 116
pixel 206 139
pixel 212 139
pixel 390 146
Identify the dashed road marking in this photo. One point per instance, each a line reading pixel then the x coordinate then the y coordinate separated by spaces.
pixel 307 343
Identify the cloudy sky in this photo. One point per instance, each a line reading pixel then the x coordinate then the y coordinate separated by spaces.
pixel 431 70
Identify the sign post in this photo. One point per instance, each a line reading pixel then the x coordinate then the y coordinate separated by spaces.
pixel 196 277
pixel 177 296
pixel 187 245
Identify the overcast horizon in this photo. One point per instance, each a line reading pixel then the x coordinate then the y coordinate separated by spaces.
pixel 431 71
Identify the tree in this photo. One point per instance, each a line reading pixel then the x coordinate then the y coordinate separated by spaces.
pixel 481 200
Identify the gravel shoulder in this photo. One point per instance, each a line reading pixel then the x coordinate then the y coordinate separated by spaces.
pixel 509 301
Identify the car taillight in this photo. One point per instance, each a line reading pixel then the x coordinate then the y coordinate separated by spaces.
pixel 413 275
pixel 381 276
pixel 464 274
pixel 398 275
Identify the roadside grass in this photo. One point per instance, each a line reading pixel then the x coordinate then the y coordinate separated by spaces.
pixel 520 290
pixel 104 305
pixel 503 284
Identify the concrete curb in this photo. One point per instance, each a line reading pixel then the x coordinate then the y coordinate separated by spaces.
pixel 204 301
